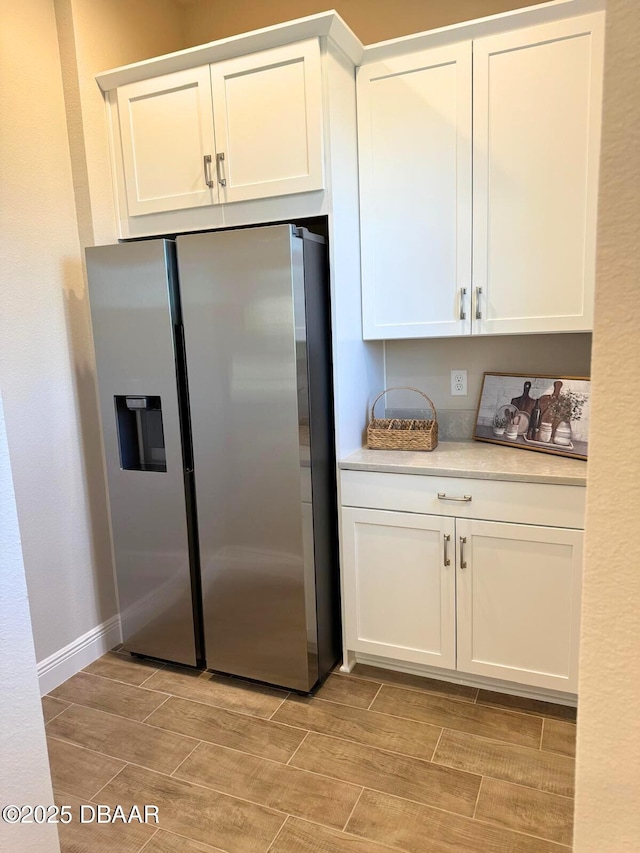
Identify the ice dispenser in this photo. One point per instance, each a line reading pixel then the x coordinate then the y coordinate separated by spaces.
pixel 140 433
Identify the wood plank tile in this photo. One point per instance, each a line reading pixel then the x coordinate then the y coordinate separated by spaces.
pixel 368 727
pixel 103 694
pixel 512 763
pixel 535 812
pixel 271 784
pixel 122 667
pixel 238 731
pixel 79 771
pixel 229 693
pixel 416 682
pixel 195 812
pixel 416 828
pixel 558 736
pixel 348 691
pixel 383 771
pixel 167 842
pixel 463 716
pixel 52 707
pixel 76 837
pixel 298 836
pixel 526 706
pixel 121 738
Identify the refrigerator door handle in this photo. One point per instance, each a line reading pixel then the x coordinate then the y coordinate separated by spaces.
pixel 185 421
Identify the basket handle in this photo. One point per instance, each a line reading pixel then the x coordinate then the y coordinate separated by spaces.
pixel 403 388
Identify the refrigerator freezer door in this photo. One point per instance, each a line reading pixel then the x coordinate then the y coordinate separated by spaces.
pixel 132 309
pixel 243 313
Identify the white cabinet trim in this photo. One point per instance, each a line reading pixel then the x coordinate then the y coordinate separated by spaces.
pixel 328 24
pixel 480 27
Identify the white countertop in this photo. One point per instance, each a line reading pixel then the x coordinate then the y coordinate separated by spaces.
pixel 474 459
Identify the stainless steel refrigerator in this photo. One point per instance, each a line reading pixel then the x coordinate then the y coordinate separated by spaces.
pixel 214 373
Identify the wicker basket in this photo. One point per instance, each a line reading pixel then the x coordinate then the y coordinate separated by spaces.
pixel 402 433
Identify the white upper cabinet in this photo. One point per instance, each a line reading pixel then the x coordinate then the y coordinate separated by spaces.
pixel 242 129
pixel 268 122
pixel 414 131
pixel 535 149
pixel 536 135
pixel 166 132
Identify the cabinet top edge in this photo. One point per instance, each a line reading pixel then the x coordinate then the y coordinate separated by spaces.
pixel 473 460
pixel 324 24
pixel 529 16
pixel 332 26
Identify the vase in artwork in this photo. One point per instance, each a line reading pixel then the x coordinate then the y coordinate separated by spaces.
pixel 563 434
pixel 545 432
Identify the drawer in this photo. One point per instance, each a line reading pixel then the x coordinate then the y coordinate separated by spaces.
pixel 492 500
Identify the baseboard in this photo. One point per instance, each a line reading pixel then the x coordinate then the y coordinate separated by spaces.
pixel 64 663
pixel 494 684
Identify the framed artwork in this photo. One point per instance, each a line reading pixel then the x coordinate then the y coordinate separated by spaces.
pixel 544 413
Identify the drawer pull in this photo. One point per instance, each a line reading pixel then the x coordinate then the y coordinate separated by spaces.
pixel 442 496
pixel 447 539
pixel 463 562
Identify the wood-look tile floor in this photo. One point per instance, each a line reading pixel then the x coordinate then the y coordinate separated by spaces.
pixel 377 761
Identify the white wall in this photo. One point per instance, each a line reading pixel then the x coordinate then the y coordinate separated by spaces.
pixel 428 364
pixel 24 768
pixel 44 366
pixel 57 198
pixel 608 760
pixel 371 20
pixel 96 35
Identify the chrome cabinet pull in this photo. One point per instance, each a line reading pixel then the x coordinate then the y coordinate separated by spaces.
pixel 478 310
pixel 219 161
pixel 463 293
pixel 447 539
pixel 207 170
pixel 442 496
pixel 463 562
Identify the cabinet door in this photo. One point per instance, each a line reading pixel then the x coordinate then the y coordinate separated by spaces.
pixel 414 137
pixel 519 602
pixel 399 594
pixel 268 121
pixel 167 131
pixel 537 101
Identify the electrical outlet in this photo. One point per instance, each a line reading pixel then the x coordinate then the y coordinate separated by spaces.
pixel 458 383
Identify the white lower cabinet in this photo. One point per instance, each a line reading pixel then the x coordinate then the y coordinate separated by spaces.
pixel 399 593
pixel 518 602
pixel 486 598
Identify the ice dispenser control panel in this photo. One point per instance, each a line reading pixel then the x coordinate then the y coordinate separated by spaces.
pixel 140 433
